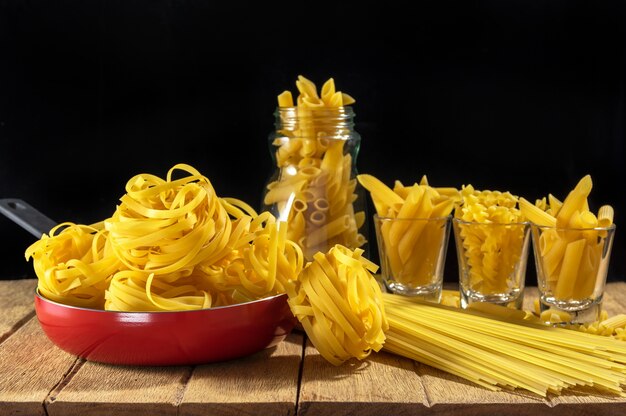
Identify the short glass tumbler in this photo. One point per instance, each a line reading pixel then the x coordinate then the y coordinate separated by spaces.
pixel 412 254
pixel 492 262
pixel 572 266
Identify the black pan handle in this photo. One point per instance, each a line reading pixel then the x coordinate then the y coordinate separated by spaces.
pixel 26 216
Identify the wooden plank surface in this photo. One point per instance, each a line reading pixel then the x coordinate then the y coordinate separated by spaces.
pixel 34 374
pixel 264 383
pixel 382 384
pixel 451 395
pixel 16 304
pixel 102 389
pixel 30 368
pixel 30 365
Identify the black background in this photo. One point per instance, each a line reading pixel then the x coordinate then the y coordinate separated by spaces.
pixel 524 96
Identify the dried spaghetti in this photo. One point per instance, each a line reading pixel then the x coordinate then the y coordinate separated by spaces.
pixel 503 353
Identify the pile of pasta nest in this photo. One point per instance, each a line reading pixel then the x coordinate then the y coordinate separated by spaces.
pixel 172 244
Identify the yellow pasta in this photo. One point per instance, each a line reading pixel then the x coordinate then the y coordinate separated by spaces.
pixel 74 264
pixel 136 291
pixel 576 201
pixel 535 214
pixel 571 263
pixel 172 244
pixel 412 228
pixel 572 240
pixel 329 230
pixel 315 163
pixel 506 353
pixel 605 216
pixel 285 99
pixel 492 238
pixel 339 304
pixel 381 194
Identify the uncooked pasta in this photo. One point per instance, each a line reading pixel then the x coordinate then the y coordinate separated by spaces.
pixel 503 353
pixel 172 244
pixel 412 225
pixel 572 242
pixel 339 304
pixel 315 170
pixel 492 238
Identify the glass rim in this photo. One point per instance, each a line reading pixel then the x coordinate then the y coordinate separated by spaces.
pixel 488 224
pixel 288 115
pixel 554 227
pixel 343 108
pixel 378 217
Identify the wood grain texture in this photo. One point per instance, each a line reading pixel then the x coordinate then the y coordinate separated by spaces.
pixel 102 389
pixel 263 383
pixel 614 300
pixel 382 384
pixel 16 304
pixel 34 373
pixel 615 293
pixel 30 367
pixel 451 395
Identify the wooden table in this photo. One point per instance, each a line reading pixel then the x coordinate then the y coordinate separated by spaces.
pixel 36 378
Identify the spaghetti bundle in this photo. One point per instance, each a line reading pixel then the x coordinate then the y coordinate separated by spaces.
pixel 339 305
pixel 493 346
pixel 172 244
pixel 503 353
pixel 314 189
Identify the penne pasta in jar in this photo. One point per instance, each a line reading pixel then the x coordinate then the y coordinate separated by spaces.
pixel 314 148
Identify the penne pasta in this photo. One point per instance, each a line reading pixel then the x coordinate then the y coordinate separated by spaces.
pixel 571 252
pixel 314 150
pixel 569 271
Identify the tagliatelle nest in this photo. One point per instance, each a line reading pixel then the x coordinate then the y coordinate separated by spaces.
pixel 339 304
pixel 172 244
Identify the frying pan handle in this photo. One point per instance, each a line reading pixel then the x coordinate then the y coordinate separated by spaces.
pixel 26 216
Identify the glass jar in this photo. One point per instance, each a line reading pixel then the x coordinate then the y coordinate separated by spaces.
pixel 314 187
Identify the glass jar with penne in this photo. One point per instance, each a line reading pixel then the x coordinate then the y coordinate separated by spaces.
pixel 314 189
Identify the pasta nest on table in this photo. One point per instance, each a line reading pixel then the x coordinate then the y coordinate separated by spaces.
pixel 339 304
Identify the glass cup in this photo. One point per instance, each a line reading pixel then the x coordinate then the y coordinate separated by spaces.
pixel 572 266
pixel 412 254
pixel 492 262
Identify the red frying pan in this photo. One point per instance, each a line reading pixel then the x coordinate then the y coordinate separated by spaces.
pixel 155 338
